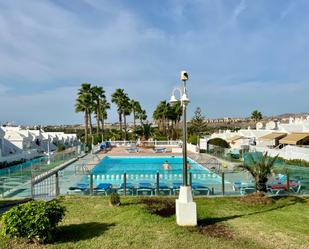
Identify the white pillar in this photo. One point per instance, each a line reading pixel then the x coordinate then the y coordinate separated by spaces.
pixel 185 208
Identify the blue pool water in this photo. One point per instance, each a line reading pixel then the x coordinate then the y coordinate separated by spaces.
pixel 140 169
pixel 139 165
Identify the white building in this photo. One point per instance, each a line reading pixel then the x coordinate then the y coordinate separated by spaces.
pixel 17 143
pixel 289 140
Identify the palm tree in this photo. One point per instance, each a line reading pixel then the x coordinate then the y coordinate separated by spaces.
pixel 98 94
pixel 121 99
pixel 83 104
pixel 136 109
pixel 174 114
pixel 104 106
pixel 142 116
pixel 117 98
pixel 160 115
pixel 256 116
pixel 260 168
pixel 144 131
pixel 126 110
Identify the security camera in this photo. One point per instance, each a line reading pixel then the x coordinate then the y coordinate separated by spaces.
pixel 184 75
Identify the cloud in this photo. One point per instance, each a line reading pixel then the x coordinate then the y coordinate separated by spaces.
pixel 48 107
pixel 241 7
pixel 47 48
pixel 3 89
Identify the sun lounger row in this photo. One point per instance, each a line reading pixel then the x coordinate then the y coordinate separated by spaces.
pixel 142 188
pixel 274 187
pixel 155 150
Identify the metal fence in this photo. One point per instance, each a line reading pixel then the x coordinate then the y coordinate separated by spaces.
pixel 215 181
pixel 26 179
pixel 76 177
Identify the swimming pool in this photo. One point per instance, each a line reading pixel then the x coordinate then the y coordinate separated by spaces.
pixel 142 168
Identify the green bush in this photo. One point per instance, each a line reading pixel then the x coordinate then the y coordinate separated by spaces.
pixel 60 147
pixel 35 220
pixel 114 199
pixel 193 139
pixel 219 142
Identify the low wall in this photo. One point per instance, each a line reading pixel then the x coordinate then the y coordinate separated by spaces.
pixel 192 148
pixel 288 152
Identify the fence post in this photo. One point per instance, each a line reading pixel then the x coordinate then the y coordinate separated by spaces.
pixel 32 188
pixel 158 182
pixel 287 181
pixel 91 184
pixel 57 183
pixel 190 179
pixel 223 186
pixel 125 183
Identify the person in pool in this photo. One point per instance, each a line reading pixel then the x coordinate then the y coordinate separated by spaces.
pixel 166 166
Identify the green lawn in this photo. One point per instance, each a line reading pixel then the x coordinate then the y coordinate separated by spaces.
pixel 91 223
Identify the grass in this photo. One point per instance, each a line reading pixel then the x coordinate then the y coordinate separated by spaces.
pixel 223 223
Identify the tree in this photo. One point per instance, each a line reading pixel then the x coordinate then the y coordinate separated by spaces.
pixel 121 99
pixel 145 131
pixel 98 94
pixel 167 116
pixel 256 116
pixel 174 115
pixel 160 115
pixel 117 98
pixel 84 104
pixel 260 168
pixel 197 125
pixel 104 106
pixel 142 116
pixel 126 110
pixel 136 109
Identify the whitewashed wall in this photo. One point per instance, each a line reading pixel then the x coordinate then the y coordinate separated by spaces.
pixel 288 152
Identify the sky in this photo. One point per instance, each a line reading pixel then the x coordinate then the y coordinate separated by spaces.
pixel 240 55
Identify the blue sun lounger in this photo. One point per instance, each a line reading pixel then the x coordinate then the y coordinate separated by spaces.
pixel 129 189
pixel 80 188
pixel 102 188
pixel 176 187
pixel 164 189
pixel 144 188
pixel 159 150
pixel 199 189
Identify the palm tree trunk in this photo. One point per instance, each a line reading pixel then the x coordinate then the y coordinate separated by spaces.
pixel 134 120
pixel 86 127
pixel 98 121
pixel 102 121
pixel 90 123
pixel 120 121
pixel 125 126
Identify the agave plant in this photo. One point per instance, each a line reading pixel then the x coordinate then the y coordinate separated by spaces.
pixel 260 168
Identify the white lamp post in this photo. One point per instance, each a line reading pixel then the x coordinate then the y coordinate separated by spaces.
pixel 185 207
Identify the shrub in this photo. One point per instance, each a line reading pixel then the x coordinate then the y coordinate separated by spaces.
pixel 219 142
pixel 35 220
pixel 60 147
pixel 193 139
pixel 115 199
